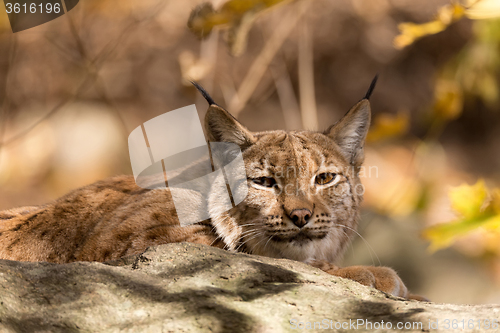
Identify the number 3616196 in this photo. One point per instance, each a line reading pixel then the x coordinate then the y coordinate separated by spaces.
pixel 33 8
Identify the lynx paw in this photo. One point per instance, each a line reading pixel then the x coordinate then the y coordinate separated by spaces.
pixel 382 278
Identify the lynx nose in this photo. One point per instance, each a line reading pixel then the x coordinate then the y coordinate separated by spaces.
pixel 300 217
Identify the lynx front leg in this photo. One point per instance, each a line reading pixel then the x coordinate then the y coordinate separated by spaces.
pixel 381 278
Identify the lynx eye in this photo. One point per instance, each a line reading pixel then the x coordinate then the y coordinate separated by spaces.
pixel 325 178
pixel 265 181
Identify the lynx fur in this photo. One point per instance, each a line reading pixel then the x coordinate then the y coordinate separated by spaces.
pixel 303 204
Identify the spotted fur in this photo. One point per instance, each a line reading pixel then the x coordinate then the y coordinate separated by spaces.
pixel 115 218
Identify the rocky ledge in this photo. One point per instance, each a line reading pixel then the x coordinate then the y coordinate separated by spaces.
pixel 194 288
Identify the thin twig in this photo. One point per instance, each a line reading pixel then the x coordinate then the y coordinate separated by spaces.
pixel 228 88
pixel 286 95
pixel 6 102
pixel 306 79
pixel 261 63
pixel 53 111
pixel 208 55
pixel 93 69
pixel 92 65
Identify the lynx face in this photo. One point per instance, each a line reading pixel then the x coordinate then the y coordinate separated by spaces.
pixel 302 203
pixel 304 190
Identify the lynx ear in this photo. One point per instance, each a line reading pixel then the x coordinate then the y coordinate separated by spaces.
pixel 350 132
pixel 221 126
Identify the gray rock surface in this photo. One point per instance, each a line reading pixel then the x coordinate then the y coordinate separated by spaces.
pixel 194 288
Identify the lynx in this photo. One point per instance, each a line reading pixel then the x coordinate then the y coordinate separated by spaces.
pixel 303 202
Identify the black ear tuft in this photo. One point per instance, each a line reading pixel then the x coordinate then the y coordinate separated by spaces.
pixel 204 93
pixel 372 86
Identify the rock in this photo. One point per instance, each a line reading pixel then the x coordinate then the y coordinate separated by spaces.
pixel 194 288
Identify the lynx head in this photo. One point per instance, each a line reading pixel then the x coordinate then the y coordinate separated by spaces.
pixel 304 191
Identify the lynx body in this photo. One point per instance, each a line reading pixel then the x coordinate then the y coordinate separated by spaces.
pixel 302 204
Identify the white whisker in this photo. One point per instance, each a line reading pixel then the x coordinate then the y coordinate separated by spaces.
pixel 263 239
pixel 267 243
pixel 252 233
pixel 370 249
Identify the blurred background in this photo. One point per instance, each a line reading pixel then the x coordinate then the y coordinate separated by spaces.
pixel 72 90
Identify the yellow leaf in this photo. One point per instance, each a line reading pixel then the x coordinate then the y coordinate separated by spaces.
pixel 410 32
pixel 469 200
pixel 242 6
pixel 439 236
pixel 448 100
pixel 443 235
pixel 483 9
pixel 204 17
pixel 388 126
pixel 451 13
